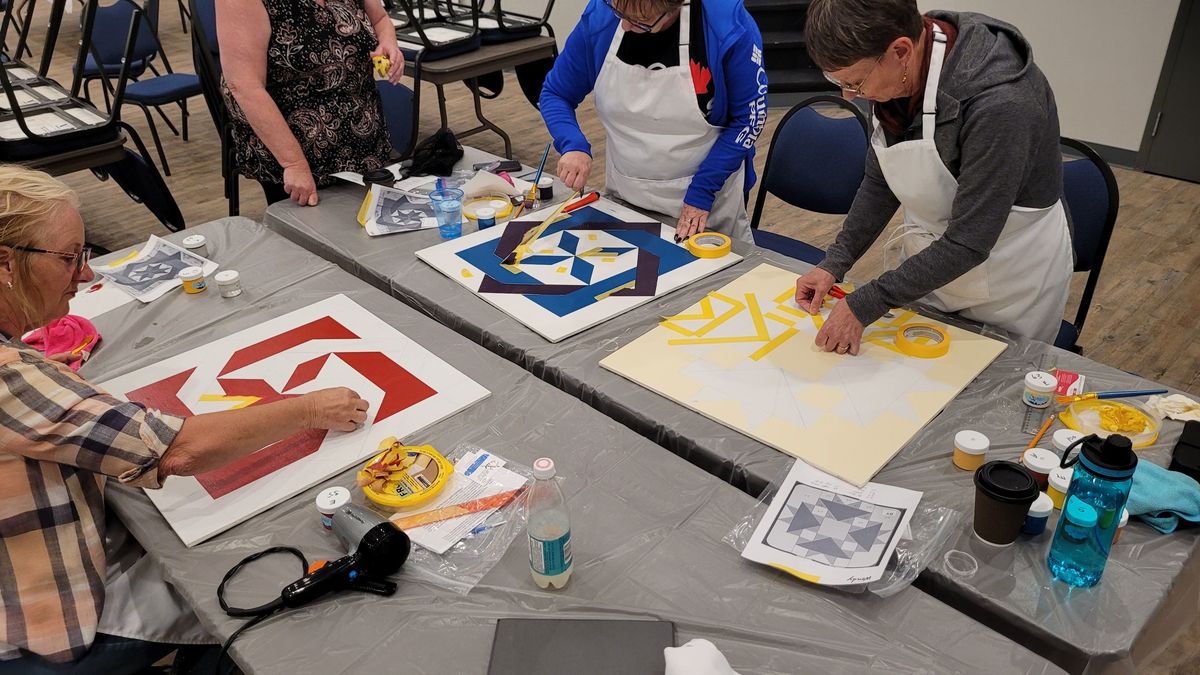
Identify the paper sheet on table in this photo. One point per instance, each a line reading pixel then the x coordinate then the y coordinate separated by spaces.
pixel 96 298
pixel 476 475
pixel 154 270
pixel 829 532
pixel 389 211
pixel 357 178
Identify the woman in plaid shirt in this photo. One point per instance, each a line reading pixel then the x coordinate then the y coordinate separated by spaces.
pixel 62 439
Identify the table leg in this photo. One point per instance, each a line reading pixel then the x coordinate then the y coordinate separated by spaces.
pixel 441 94
pixel 485 122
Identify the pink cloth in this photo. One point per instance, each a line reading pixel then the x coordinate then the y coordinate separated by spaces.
pixel 73 335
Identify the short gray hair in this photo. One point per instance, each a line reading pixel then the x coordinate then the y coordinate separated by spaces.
pixel 840 33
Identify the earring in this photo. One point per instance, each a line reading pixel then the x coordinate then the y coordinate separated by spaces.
pixel 904 76
pixel 9 284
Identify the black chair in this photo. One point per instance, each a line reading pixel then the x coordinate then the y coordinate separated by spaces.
pixel 1093 198
pixel 107 50
pixel 498 25
pixel 816 163
pixel 400 114
pixel 206 57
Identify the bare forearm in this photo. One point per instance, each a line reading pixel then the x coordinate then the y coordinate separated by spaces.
pixel 212 440
pixel 385 31
pixel 268 123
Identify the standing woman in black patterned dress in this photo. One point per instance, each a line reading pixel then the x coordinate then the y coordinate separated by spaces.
pixel 300 91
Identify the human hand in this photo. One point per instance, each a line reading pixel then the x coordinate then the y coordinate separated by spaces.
pixel 812 288
pixel 299 184
pixel 573 169
pixel 691 221
pixel 392 51
pixel 62 357
pixel 841 332
pixel 336 408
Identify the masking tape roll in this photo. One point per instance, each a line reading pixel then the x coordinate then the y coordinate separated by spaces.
pixel 499 203
pixel 709 245
pixel 922 340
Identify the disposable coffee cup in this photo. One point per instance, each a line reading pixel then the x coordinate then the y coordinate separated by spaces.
pixel 1003 493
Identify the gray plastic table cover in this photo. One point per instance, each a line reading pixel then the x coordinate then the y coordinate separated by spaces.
pixel 1147 597
pixel 647 525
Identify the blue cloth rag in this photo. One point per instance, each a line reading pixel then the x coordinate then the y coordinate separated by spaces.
pixel 1160 497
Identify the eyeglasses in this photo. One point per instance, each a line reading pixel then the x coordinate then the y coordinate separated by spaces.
pixel 638 24
pixel 79 260
pixel 855 89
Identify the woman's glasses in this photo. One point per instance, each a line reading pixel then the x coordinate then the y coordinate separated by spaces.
pixel 857 88
pixel 77 259
pixel 648 27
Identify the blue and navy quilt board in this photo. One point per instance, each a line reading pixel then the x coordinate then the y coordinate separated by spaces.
pixel 594 264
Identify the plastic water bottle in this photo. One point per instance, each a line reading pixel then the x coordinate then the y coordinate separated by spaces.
pixel 1098 492
pixel 549 529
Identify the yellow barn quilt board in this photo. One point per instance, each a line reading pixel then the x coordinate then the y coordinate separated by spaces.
pixel 744 356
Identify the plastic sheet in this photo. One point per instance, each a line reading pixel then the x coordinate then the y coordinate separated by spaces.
pixel 1148 596
pixel 929 530
pixel 646 526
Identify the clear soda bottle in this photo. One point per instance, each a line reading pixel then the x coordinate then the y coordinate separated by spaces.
pixel 549 529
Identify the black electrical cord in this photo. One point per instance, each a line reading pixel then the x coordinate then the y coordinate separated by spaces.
pixel 257 614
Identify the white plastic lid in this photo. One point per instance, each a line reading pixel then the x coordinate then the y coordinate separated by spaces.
pixel 1041 381
pixel 191 273
pixel 194 241
pixel 1063 438
pixel 226 277
pixel 498 204
pixel 543 468
pixel 1042 506
pixel 485 214
pixel 1040 460
pixel 971 442
pixel 545 182
pixel 1124 518
pixel 332 498
pixel 1060 479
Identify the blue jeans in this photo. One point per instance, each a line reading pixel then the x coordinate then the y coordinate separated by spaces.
pixel 112 655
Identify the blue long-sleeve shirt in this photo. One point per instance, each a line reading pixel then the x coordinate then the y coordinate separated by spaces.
pixel 739 104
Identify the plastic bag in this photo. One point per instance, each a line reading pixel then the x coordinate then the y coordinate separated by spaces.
pixel 461 567
pixel 929 530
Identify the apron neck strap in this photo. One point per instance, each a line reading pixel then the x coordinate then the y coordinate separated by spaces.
pixel 929 106
pixel 685 33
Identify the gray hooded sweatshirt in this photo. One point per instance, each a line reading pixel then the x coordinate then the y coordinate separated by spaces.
pixel 997 132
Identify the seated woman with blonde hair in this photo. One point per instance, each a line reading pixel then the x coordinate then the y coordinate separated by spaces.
pixel 77 593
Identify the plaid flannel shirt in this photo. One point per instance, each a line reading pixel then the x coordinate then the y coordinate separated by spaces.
pixel 60 438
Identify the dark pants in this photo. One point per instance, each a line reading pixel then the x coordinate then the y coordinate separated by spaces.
pixel 274 192
pixel 112 655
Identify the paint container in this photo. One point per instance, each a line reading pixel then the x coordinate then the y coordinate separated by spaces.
pixel 1039 389
pixel 1121 525
pixel 1056 485
pixel 1040 463
pixel 545 188
pixel 1004 492
pixel 486 217
pixel 970 449
pixel 193 280
pixel 229 282
pixel 1038 515
pixel 196 243
pixel 331 500
pixel 1063 438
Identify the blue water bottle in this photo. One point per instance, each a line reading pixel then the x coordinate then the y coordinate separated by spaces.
pixel 1092 510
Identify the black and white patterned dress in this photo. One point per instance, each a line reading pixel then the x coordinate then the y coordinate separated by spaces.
pixel 319 74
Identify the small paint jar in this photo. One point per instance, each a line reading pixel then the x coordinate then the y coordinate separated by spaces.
pixel 1039 389
pixel 193 280
pixel 1056 485
pixel 545 188
pixel 486 217
pixel 970 449
pixel 1039 514
pixel 329 501
pixel 229 282
pixel 196 243
pixel 1040 463
pixel 1121 525
pixel 1063 438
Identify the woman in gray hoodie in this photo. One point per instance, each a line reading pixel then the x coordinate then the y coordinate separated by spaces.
pixel 965 138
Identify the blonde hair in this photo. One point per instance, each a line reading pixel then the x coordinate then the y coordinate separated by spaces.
pixel 28 199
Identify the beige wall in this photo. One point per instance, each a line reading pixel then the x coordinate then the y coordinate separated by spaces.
pixel 1102 57
pixel 563 18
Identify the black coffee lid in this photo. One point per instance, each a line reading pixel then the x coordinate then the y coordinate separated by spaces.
pixel 1111 458
pixel 1006 482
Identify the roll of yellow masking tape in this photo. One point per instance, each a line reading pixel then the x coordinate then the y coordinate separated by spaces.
pixel 709 244
pixel 922 340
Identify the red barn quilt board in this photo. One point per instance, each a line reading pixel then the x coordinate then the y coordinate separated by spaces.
pixel 331 343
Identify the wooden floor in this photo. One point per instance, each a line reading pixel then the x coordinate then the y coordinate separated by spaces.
pixel 1143 318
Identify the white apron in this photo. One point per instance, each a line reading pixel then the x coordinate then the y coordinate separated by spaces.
pixel 1023 285
pixel 657 137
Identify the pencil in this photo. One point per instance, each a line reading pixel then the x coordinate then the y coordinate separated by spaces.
pixel 1041 432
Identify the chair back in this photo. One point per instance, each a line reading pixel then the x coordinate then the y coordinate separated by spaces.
pixel 400 115
pixel 815 162
pixel 1093 199
pixel 111 27
pixel 206 57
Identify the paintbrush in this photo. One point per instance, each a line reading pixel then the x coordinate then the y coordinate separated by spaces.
pixel 529 198
pixel 1065 400
pixel 533 234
